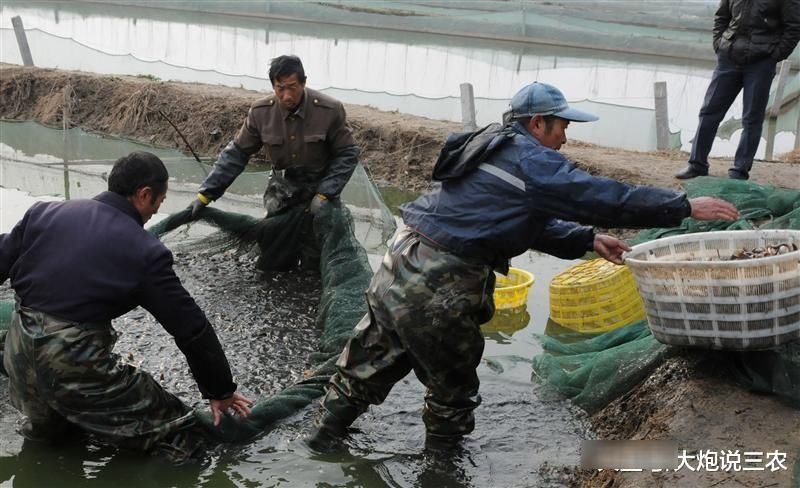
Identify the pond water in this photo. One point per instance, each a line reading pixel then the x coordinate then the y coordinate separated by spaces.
pixel 525 434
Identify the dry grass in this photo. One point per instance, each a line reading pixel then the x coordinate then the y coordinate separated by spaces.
pixel 791 157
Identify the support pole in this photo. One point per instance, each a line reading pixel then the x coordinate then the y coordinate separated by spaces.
pixel 775 109
pixel 468 107
pixel 66 111
pixel 662 115
pixel 22 41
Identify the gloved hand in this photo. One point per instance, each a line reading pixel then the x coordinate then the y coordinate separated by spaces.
pixel 198 204
pixel 317 203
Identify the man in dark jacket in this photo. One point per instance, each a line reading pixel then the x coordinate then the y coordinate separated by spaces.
pixel 750 37
pixel 498 192
pixel 308 143
pixel 75 266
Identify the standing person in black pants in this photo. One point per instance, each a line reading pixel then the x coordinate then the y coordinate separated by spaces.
pixel 750 37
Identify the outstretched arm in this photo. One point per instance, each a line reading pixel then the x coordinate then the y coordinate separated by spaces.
pixel 565 240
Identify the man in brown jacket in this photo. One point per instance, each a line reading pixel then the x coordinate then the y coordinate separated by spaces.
pixel 307 140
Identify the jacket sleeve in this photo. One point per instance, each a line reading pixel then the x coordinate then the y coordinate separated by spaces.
pixel 721 20
pixel 566 240
pixel 232 160
pixel 790 15
pixel 229 165
pixel 559 189
pixel 11 247
pixel 340 169
pixel 345 156
pixel 162 294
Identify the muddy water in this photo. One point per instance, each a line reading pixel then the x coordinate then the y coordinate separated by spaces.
pixel 524 434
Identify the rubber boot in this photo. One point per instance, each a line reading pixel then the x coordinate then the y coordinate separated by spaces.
pixel 329 434
pixel 435 443
pixel 52 432
pixel 186 445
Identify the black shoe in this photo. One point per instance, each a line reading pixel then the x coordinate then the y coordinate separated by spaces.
pixel 690 172
pixel 737 175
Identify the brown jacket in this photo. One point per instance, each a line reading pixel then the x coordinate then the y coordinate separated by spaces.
pixel 313 144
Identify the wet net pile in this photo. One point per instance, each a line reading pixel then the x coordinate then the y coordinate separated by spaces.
pixel 594 370
pixel 345 274
pixel 342 231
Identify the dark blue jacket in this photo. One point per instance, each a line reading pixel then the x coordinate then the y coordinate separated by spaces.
pixel 527 196
pixel 92 261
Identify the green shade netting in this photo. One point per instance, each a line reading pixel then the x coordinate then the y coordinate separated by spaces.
pixel 598 369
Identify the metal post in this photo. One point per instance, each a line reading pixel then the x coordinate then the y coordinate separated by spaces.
pixel 66 110
pixel 468 107
pixel 22 41
pixel 775 109
pixel 662 115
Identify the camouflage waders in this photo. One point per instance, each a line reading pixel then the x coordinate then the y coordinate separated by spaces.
pixel 282 195
pixel 425 310
pixel 63 374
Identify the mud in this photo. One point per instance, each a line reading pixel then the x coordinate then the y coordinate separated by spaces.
pixel 688 400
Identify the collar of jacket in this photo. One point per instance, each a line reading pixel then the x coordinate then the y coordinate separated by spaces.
pixel 300 111
pixel 520 129
pixel 120 203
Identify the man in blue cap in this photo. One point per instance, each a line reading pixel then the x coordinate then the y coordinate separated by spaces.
pixel 497 192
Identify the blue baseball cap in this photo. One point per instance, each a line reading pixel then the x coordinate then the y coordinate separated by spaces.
pixel 543 99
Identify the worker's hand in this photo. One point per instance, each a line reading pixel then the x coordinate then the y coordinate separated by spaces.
pixel 709 208
pixel 316 203
pixel 610 248
pixel 198 204
pixel 238 402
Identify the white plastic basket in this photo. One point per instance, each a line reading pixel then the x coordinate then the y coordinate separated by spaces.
pixel 740 304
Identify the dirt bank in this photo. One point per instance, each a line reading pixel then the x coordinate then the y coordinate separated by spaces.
pixel 398 150
pixel 684 399
pixel 689 401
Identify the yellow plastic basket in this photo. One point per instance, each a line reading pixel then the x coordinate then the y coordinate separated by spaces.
pixel 511 291
pixel 595 296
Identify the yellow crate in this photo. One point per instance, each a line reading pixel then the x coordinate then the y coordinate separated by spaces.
pixel 511 291
pixel 595 296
